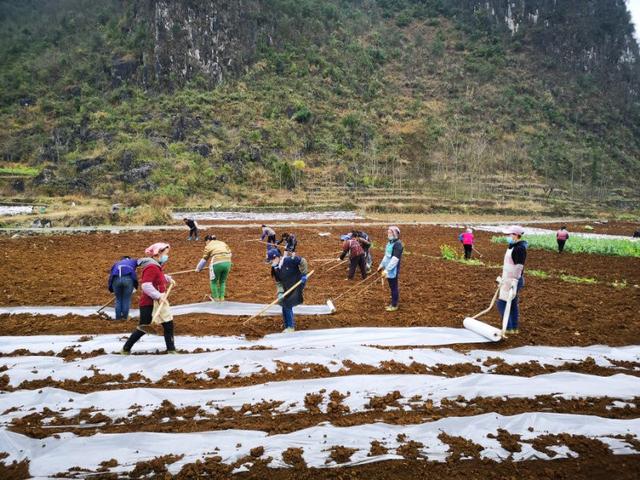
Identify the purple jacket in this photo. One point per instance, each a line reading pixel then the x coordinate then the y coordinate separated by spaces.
pixel 124 267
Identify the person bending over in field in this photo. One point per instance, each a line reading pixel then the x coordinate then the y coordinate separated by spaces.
pixel 219 266
pixel 291 243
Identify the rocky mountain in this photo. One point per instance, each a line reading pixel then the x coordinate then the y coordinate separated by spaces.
pixel 459 98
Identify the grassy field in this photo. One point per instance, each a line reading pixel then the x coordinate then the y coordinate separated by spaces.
pixel 617 247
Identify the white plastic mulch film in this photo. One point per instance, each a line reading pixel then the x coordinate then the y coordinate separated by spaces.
pixel 269 216
pixel 213 308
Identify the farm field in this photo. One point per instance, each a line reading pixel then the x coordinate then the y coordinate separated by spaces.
pixel 361 393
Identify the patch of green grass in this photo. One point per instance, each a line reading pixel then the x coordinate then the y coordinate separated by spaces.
pixel 619 284
pixel 448 252
pixel 598 246
pixel 538 273
pixel 19 170
pixel 574 279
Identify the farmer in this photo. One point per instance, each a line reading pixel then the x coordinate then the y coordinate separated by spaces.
pixel 354 247
pixel 561 237
pixel 287 271
pixel 219 266
pixel 122 283
pixel 365 241
pixel 270 234
pixel 193 228
pixel 290 243
pixel 512 274
pixel 154 287
pixel 390 265
pixel 636 234
pixel 467 240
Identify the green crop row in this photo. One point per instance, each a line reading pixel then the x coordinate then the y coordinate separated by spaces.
pixel 598 246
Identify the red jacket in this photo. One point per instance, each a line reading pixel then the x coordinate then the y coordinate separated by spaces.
pixel 153 274
pixel 353 247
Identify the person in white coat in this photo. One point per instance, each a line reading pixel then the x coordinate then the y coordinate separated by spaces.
pixel 512 276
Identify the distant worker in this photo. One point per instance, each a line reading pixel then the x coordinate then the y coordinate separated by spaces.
pixel 219 266
pixel 153 283
pixel 512 274
pixel 287 271
pixel 636 234
pixel 467 239
pixel 193 228
pixel 365 241
pixel 390 265
pixel 561 237
pixel 122 283
pixel 269 234
pixel 290 242
pixel 354 248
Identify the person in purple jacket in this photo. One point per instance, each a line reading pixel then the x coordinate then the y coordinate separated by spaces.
pixel 122 282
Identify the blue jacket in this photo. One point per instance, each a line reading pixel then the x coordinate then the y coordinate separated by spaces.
pixel 123 268
pixel 392 258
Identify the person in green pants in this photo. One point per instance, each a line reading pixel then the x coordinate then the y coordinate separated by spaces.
pixel 219 255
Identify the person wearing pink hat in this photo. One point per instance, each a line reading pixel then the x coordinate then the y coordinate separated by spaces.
pixel 153 283
pixel 512 273
pixel 467 240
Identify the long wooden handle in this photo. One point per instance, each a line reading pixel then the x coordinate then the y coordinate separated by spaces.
pixel 296 285
pixel 337 265
pixel 181 272
pixel 106 304
pixel 161 303
pixel 493 300
pixel 355 286
pixel 476 250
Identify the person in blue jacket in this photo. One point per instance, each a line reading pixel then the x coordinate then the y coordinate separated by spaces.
pixel 290 242
pixel 390 265
pixel 122 282
pixel 287 271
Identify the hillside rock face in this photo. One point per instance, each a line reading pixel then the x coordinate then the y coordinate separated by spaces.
pixel 586 35
pixel 209 38
pixel 218 38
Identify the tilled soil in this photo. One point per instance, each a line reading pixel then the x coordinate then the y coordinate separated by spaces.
pixel 265 416
pixel 73 270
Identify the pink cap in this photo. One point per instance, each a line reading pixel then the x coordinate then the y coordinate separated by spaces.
pixel 395 230
pixel 518 230
pixel 156 248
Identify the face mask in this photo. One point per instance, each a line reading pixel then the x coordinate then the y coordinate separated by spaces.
pixel 164 259
pixel 390 237
pixel 510 240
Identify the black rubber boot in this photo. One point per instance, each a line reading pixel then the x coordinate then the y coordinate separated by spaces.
pixel 168 336
pixel 133 338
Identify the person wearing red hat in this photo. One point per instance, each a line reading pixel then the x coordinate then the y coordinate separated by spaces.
pixel 154 286
pixel 512 274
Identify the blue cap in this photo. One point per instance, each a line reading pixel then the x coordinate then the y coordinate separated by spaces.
pixel 272 253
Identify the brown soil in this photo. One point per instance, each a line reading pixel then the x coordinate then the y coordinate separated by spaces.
pixel 264 416
pixel 620 467
pixel 460 448
pixel 285 371
pixel 508 441
pixel 340 454
pixel 433 292
pixel 71 271
pixel 606 228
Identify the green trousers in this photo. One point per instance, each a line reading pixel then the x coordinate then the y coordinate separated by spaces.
pixel 219 283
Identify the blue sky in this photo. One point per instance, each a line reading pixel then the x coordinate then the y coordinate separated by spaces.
pixel 634 8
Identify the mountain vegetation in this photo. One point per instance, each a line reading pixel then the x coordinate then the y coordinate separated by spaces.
pixel 195 99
